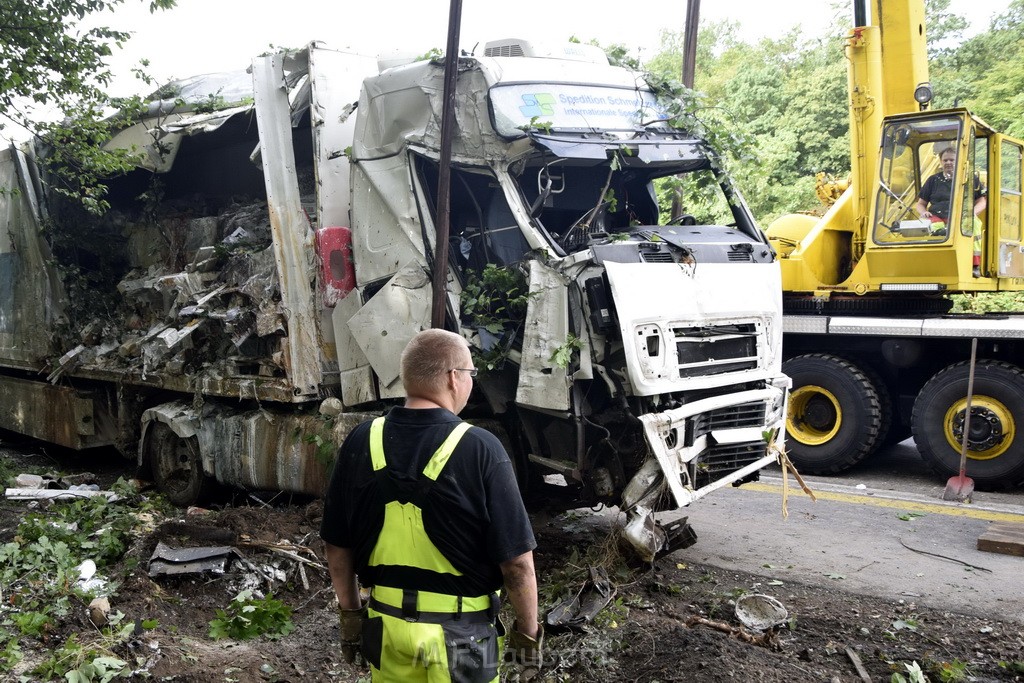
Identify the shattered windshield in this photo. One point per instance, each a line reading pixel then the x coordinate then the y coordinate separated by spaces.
pixel 577 201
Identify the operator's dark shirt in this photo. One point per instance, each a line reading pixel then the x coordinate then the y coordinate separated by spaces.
pixel 474 512
pixel 936 192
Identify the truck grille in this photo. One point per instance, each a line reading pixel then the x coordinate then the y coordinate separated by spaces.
pixel 731 417
pixel 719 461
pixel 715 350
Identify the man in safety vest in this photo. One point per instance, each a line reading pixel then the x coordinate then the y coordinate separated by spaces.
pixel 425 510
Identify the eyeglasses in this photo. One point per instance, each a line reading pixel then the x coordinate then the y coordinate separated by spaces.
pixel 472 371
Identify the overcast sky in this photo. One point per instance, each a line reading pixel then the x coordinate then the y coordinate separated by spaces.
pixel 204 36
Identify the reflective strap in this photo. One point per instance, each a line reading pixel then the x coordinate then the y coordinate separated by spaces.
pixel 441 455
pixel 432 602
pixel 377 444
pixel 437 461
pixel 403 540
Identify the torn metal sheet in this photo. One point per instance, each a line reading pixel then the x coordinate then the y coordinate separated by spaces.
pixel 168 561
pixel 293 238
pixel 542 384
pixel 358 385
pixel 32 298
pixel 386 323
pixel 578 610
pixel 336 78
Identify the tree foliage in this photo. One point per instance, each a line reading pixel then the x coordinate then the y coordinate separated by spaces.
pixel 786 97
pixel 779 102
pixel 49 57
pixel 53 60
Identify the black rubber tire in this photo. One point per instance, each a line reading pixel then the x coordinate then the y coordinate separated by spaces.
pixel 834 417
pixel 885 409
pixel 177 466
pixel 998 399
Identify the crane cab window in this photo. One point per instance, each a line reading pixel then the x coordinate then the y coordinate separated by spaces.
pixel 917 185
pixel 1010 192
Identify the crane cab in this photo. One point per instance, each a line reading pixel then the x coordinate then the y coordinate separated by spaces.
pixel 946 207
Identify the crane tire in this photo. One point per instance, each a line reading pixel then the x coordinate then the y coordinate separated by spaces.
pixel 995 455
pixel 886 407
pixel 834 417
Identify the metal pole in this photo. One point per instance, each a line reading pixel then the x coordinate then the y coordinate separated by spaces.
pixel 860 13
pixel 689 68
pixel 451 68
pixel 690 42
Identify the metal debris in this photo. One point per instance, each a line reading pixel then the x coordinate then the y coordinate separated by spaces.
pixel 57 494
pixel 168 561
pixel 578 610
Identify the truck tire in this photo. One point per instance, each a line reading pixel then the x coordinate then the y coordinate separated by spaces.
pixel 177 466
pixel 885 409
pixel 835 414
pixel 995 455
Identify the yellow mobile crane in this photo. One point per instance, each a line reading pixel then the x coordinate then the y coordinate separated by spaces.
pixel 872 352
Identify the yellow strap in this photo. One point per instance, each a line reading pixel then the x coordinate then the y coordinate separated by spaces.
pixel 377 444
pixel 403 541
pixel 444 451
pixel 431 602
pixel 437 461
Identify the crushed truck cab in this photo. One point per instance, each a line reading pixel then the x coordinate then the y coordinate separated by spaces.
pixel 634 353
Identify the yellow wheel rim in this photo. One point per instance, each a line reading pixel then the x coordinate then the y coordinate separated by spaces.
pixel 814 416
pixel 992 427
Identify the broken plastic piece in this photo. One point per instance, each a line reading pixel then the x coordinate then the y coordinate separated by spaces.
pixel 760 612
pixel 580 609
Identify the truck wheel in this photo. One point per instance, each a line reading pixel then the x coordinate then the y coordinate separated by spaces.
pixel 177 466
pixel 887 425
pixel 995 446
pixel 834 418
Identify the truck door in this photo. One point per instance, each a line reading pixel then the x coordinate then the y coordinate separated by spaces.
pixel 1005 215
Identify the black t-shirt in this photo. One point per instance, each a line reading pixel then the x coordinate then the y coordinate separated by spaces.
pixel 937 191
pixel 473 513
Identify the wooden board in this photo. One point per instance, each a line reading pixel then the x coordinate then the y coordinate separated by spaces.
pixel 1003 537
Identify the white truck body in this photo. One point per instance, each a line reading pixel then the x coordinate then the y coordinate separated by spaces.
pixel 670 334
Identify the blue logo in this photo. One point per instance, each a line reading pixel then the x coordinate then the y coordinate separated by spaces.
pixel 540 104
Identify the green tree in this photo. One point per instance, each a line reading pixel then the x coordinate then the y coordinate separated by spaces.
pixel 984 73
pixel 47 56
pixel 51 60
pixel 785 98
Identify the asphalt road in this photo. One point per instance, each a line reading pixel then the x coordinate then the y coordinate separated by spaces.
pixel 868 533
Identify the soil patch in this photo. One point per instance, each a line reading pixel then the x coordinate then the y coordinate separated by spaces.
pixel 647 632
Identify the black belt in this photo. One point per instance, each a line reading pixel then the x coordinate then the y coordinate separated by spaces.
pixel 408 611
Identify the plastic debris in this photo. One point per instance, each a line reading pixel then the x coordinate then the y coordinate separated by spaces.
pixel 760 612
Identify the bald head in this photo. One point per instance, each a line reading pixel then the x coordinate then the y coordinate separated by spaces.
pixel 428 361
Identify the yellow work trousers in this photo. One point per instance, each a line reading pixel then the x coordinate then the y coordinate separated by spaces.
pixel 457 651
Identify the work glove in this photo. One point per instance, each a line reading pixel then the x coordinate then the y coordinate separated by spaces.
pixel 526 652
pixel 351 621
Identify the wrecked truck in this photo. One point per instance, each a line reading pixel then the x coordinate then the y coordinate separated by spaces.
pixel 246 299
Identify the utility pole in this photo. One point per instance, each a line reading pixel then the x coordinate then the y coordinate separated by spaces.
pixel 689 67
pixel 451 70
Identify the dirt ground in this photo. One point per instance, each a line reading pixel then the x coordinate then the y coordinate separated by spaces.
pixel 673 621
